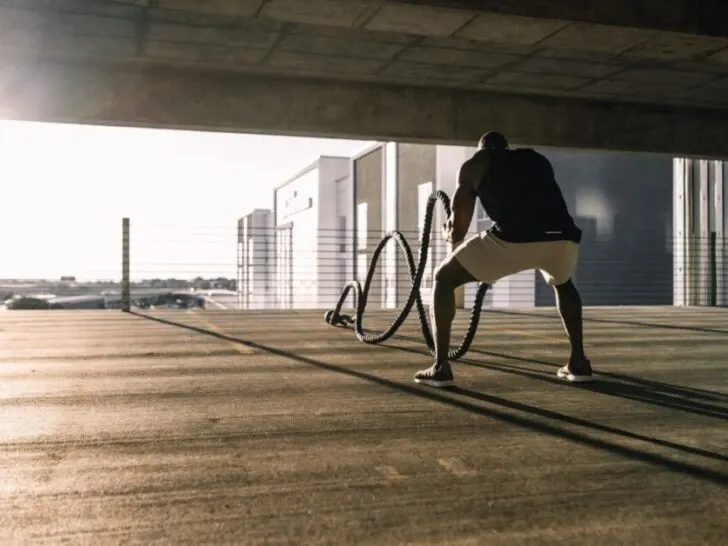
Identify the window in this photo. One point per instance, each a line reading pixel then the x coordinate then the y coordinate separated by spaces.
pixel 361 226
pixel 390 194
pixel 342 233
pixel 362 267
pixel 241 254
pixel 342 280
pixel 251 265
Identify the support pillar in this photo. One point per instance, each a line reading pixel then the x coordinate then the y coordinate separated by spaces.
pixel 699 213
pixel 390 186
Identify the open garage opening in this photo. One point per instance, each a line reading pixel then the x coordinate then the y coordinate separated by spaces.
pixel 243 221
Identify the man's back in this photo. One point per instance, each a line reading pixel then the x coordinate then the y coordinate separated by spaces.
pixel 521 196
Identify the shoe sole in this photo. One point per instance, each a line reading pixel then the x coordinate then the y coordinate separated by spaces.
pixel 435 383
pixel 571 378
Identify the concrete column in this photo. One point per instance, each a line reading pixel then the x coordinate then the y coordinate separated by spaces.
pixel 720 170
pixel 704 222
pixel 390 186
pixel 680 218
pixel 699 214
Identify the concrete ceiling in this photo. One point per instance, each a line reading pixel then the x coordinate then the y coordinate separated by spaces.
pixel 418 43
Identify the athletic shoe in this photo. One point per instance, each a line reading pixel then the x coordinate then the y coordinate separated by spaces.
pixel 584 374
pixel 436 376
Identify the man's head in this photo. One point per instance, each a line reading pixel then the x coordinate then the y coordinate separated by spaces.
pixel 493 141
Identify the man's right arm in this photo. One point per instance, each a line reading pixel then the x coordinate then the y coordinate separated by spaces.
pixel 464 199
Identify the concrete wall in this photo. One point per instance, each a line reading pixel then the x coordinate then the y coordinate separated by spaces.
pixel 368 181
pixel 297 203
pixel 256 260
pixel 416 165
pixel 623 203
pixel 335 206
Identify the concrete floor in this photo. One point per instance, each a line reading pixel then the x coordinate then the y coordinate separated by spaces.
pixel 213 427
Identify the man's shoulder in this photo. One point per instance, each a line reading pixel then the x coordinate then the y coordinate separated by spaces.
pixel 474 170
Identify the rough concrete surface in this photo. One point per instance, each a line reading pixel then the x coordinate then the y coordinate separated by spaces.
pixel 568 74
pixel 215 427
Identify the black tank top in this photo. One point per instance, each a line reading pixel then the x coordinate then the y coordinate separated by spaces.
pixel 522 198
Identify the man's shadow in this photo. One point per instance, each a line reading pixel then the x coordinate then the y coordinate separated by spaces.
pixel 647 391
pixel 498 414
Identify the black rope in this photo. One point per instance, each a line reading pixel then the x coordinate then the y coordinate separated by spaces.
pixel 335 318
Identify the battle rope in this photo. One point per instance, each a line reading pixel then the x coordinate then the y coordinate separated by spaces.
pixel 335 318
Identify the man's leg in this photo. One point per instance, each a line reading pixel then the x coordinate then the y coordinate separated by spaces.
pixel 557 262
pixel 568 301
pixel 448 276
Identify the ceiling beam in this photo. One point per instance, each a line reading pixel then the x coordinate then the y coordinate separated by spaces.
pixel 163 96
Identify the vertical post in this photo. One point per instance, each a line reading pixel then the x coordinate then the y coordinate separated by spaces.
pixel 125 281
pixel 713 270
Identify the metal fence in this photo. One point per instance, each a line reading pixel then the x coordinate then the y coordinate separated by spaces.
pixel 282 268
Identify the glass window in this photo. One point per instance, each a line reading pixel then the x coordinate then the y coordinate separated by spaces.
pixel 361 228
pixel 362 267
pixel 390 198
pixel 342 233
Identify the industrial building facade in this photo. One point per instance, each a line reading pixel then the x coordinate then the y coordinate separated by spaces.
pixel 255 260
pixel 638 247
pixel 299 253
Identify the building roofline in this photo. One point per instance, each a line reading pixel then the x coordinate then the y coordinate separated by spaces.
pixel 311 166
pixel 366 150
pixel 253 211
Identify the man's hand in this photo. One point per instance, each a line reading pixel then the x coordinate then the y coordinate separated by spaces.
pixel 447 230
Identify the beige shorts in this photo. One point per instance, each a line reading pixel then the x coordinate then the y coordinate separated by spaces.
pixel 488 258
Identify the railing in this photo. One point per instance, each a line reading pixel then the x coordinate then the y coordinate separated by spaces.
pixel 296 268
pixel 291 268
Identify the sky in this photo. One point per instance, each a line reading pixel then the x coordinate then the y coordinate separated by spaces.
pixel 66 188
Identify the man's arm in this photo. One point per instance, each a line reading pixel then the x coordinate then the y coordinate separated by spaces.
pixel 463 201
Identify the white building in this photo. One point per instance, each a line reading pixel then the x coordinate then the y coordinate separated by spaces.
pixel 329 218
pixel 313 218
pixel 255 259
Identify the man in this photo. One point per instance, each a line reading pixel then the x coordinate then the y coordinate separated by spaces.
pixel 532 230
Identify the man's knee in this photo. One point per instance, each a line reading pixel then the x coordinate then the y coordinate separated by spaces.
pixel 451 273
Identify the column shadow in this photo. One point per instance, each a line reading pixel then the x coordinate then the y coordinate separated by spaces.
pixel 611 321
pixel 445 398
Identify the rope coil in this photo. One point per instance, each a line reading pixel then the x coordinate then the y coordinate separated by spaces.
pixel 335 318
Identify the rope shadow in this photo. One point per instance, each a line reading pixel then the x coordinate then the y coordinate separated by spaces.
pixel 705 474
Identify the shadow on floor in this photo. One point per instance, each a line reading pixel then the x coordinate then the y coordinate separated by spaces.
pixel 494 413
pixel 627 387
pixel 609 321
